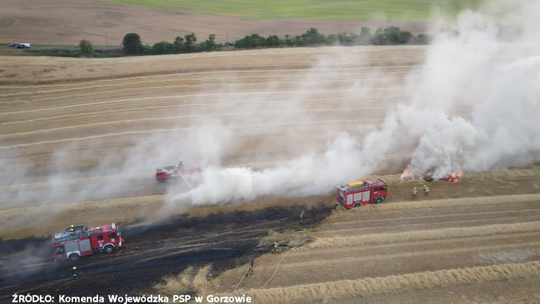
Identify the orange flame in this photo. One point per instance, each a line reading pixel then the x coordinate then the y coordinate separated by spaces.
pixel 406 175
pixel 453 178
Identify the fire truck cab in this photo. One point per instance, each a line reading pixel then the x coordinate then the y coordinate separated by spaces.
pixel 86 241
pixel 361 193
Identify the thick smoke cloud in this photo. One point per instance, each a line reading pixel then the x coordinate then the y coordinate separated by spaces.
pixel 489 67
pixel 503 130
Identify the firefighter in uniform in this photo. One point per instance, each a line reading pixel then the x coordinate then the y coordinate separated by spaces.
pixel 302 217
pixel 276 246
pixel 414 192
pixel 74 273
pixel 180 165
pixel 250 271
pixel 71 230
pixel 426 190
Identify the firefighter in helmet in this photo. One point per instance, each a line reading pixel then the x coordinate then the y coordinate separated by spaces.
pixel 426 190
pixel 250 270
pixel 276 245
pixel 179 165
pixel 74 273
pixel 414 192
pixel 72 230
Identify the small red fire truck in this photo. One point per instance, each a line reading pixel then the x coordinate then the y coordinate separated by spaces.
pixel 361 193
pixel 166 173
pixel 85 241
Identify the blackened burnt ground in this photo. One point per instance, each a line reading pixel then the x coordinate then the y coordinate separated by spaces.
pixel 224 240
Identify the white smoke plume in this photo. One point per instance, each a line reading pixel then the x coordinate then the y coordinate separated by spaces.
pixel 503 130
pixel 299 177
pixel 484 67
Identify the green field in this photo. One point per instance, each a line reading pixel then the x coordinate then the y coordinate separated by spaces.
pixel 407 10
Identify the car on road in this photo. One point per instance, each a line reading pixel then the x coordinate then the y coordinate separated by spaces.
pixel 23 46
pixel 16 44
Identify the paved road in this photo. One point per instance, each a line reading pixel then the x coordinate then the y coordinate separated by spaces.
pixel 42 47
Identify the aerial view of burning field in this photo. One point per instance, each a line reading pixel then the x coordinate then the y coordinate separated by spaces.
pixel 366 174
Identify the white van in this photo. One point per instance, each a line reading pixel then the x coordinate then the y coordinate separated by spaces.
pixel 23 46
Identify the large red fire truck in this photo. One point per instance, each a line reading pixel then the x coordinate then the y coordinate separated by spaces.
pixel 85 241
pixel 361 193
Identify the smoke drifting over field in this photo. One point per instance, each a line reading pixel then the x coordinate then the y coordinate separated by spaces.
pixel 504 130
pixel 491 66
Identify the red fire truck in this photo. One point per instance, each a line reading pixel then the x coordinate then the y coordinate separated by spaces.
pixel 85 241
pixel 166 173
pixel 361 193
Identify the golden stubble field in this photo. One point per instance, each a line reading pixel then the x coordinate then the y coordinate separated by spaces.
pixel 80 140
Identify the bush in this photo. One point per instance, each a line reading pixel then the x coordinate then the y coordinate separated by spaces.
pixel 405 37
pixel 163 47
pixel 132 44
pixel 86 47
pixel 190 42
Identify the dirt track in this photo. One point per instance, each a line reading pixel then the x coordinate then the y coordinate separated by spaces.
pixel 84 151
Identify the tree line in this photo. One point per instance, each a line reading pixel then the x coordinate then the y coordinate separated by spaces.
pixel 188 44
pixel 389 36
pixel 133 45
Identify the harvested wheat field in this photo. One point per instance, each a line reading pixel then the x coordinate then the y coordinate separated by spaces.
pixel 275 132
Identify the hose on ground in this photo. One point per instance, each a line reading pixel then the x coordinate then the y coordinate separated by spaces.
pixel 245 274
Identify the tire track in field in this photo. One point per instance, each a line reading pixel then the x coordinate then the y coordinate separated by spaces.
pixel 128 142
pixel 390 258
pixel 204 75
pixel 412 251
pixel 249 127
pixel 112 116
pixel 177 100
pixel 366 226
pixel 122 110
pixel 253 93
pixel 112 204
pixel 373 250
pixel 194 82
pixel 392 284
pixel 532 216
pixel 205 81
pixel 416 235
pixel 178 96
pixel 398 260
pixel 381 219
pixel 195 87
pixel 196 116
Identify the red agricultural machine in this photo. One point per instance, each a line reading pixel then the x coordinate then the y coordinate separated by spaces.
pixel 361 193
pixel 77 241
pixel 179 171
